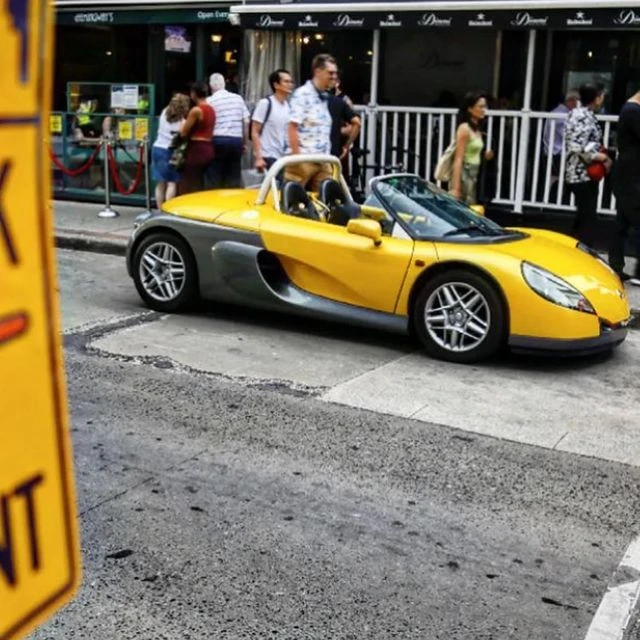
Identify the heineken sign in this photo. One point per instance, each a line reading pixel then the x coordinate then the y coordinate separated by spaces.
pixel 138 16
pixel 342 19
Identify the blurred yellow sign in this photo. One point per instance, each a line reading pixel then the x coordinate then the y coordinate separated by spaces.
pixel 142 129
pixel 39 559
pixel 125 130
pixel 55 123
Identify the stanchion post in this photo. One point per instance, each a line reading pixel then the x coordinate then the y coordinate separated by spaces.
pixel 147 181
pixel 107 212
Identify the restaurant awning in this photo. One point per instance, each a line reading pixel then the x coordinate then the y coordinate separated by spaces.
pixel 440 14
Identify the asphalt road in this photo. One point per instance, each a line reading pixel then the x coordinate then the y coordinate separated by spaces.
pixel 216 503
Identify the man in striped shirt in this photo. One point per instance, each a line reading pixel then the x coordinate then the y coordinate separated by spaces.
pixel 230 135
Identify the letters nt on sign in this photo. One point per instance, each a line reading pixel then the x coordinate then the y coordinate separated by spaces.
pixel 24 493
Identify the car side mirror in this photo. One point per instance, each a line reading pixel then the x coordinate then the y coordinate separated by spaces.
pixel 367 228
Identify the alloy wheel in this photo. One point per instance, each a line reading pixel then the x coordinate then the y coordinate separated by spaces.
pixel 457 316
pixel 162 271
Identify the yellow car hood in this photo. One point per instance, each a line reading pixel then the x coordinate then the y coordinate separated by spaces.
pixel 558 254
pixel 207 206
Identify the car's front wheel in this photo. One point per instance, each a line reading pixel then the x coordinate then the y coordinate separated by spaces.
pixel 459 317
pixel 165 273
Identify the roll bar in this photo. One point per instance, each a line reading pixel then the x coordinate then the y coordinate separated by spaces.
pixel 269 182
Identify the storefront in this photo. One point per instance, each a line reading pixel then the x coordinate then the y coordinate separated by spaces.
pixel 168 48
pixel 432 52
pixel 410 63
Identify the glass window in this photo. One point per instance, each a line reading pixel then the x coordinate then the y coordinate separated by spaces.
pixel 98 54
pixel 430 213
pixel 353 54
pixel 222 47
pixel 180 60
pixel 374 209
pixel 611 59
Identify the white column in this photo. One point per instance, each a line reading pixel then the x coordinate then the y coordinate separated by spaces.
pixel 373 103
pixel 525 125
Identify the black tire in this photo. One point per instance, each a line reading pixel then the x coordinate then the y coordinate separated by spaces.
pixel 491 310
pixel 187 294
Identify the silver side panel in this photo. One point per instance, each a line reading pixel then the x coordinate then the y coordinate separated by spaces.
pixel 241 280
pixel 200 236
pixel 229 270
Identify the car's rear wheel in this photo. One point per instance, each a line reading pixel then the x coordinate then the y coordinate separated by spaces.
pixel 165 273
pixel 459 317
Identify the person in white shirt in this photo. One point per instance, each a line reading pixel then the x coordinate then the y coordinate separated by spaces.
pixel 270 121
pixel 310 123
pixel 169 124
pixel 230 135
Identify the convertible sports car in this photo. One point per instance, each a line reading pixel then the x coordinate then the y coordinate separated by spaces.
pixel 411 258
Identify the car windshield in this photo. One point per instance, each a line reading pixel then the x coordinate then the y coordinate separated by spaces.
pixel 429 212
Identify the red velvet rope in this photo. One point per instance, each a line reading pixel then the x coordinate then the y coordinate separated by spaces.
pixel 116 178
pixel 79 170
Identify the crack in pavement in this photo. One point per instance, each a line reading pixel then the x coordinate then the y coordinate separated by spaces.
pixel 152 476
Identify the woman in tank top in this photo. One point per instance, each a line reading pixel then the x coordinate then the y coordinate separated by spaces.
pixel 198 127
pixel 169 124
pixel 469 149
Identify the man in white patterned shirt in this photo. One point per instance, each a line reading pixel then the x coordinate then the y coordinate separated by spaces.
pixel 310 123
pixel 230 135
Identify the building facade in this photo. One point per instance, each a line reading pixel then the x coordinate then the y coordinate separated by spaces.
pixel 432 52
pixel 407 64
pixel 164 47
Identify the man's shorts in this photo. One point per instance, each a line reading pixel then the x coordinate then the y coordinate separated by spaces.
pixel 309 174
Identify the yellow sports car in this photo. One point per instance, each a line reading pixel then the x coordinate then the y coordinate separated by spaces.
pixel 411 258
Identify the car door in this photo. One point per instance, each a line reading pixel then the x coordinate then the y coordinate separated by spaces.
pixel 326 260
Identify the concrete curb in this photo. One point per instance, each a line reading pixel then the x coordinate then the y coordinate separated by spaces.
pixel 92 242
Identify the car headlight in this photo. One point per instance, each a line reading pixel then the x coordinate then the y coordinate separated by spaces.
pixel 554 288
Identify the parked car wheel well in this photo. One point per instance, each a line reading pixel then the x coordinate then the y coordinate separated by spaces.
pixel 160 229
pixel 441 267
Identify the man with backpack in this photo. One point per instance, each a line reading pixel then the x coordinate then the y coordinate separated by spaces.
pixel 270 121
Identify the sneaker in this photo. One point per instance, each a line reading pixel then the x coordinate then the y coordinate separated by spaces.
pixel 634 280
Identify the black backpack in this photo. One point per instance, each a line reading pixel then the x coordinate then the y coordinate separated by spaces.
pixel 266 116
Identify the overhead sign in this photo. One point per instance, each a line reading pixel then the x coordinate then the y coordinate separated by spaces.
pixel 286 17
pixel 142 16
pixel 39 561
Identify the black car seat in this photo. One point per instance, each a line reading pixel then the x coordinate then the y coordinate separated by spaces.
pixel 339 210
pixel 296 201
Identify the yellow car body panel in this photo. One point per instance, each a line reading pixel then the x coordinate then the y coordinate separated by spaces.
pixel 529 313
pixel 328 261
pixel 199 206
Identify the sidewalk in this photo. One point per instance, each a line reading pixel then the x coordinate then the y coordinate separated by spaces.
pixel 77 226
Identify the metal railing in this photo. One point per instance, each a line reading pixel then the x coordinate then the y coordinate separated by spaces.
pixel 79 155
pixel 416 137
pixel 101 163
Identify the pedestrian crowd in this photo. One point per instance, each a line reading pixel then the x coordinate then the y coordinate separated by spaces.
pixel 202 139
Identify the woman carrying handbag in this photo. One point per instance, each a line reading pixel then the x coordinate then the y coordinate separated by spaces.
pixel 469 149
pixel 586 161
pixel 164 173
pixel 198 129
